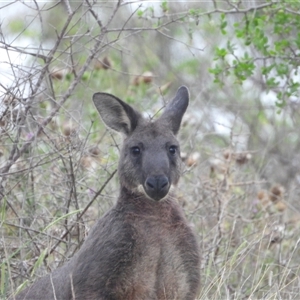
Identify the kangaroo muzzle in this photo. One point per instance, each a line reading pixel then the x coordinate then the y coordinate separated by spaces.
pixel 157 187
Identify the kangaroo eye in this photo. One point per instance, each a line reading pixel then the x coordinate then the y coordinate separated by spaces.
pixel 173 150
pixel 135 150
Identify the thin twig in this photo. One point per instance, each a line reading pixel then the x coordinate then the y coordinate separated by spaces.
pixel 82 213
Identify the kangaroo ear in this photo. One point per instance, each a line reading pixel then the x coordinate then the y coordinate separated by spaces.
pixel 115 113
pixel 175 109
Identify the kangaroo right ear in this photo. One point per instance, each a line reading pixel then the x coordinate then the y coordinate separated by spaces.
pixel 115 113
pixel 175 110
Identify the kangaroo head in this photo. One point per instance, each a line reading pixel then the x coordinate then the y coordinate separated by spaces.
pixel 150 157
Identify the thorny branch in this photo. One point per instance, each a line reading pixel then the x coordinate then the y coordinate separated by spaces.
pixel 68 93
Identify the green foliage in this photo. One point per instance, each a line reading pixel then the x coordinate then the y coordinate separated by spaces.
pixel 39 261
pixel 3 280
pixel 145 12
pixel 164 6
pixel 17 25
pixel 223 24
pixel 272 37
pixel 194 12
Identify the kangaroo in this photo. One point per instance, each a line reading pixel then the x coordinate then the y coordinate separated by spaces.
pixel 143 248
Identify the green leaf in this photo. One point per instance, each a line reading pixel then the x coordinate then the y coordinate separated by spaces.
pixel 271 82
pixel 267 70
pixel 3 279
pixel 39 261
pixel 221 52
pixel 140 13
pixel 16 25
pixel 164 6
pixel 282 69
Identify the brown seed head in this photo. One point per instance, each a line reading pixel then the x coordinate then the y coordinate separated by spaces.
pixel 280 206
pixel 193 159
pixel 276 193
pixel 94 150
pixel 104 64
pixel 57 74
pixel 261 194
pixel 68 128
pixel 146 77
pixel 227 154
pixel 86 162
pixel 242 158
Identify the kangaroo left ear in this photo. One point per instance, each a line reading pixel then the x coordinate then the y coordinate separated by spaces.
pixel 175 110
pixel 115 113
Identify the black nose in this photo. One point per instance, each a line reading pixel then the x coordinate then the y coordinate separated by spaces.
pixel 157 187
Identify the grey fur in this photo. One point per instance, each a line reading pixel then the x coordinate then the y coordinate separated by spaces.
pixel 143 248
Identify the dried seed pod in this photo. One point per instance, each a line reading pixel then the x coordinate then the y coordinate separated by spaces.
pixel 94 150
pixel 104 64
pixel 3 122
pixel 239 157
pixel 218 166
pixel 57 73
pixel 263 197
pixel 243 158
pixel 86 162
pixel 227 154
pixel 183 156
pixel 193 159
pixel 262 194
pixel 280 206
pixel 276 193
pixel 146 77
pixel 68 128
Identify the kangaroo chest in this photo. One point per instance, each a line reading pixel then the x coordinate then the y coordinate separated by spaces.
pixel 158 262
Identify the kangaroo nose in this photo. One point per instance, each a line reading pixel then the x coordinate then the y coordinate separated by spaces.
pixel 157 187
